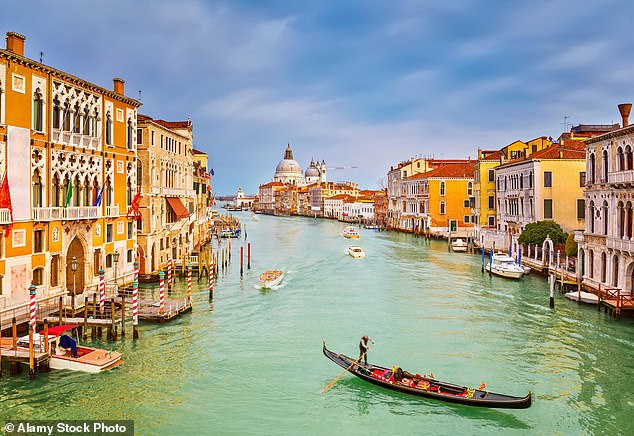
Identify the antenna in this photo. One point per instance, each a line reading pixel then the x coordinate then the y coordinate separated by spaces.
pixel 140 95
pixel 566 123
pixel 41 56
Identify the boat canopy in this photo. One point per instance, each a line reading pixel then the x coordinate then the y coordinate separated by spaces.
pixel 59 329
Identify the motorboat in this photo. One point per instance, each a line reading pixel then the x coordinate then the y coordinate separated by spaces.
pixel 67 354
pixel 356 251
pixel 371 227
pixel 584 297
pixel 459 245
pixel 505 266
pixel 271 278
pixel 350 233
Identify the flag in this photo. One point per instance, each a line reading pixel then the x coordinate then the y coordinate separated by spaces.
pixel 212 172
pixel 98 201
pixel 134 207
pixel 5 201
pixel 69 193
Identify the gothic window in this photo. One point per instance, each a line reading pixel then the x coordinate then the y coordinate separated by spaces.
pixel 55 191
pixel 628 159
pixel 56 114
pixel 130 135
pixel 86 129
pixel 620 159
pixel 37 189
pixel 591 264
pixel 603 267
pixel 108 129
pixel 592 165
pixel 591 217
pixel 108 193
pixel 604 166
pixel 76 119
pixel 38 111
pixel 442 188
pixel 95 125
pixel 66 122
pixel 605 217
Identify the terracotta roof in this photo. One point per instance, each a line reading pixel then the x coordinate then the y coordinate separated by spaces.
pixel 339 197
pixel 571 149
pixel 266 185
pixel 166 124
pixel 194 151
pixel 452 170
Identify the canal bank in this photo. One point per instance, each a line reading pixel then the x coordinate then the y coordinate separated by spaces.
pixel 251 362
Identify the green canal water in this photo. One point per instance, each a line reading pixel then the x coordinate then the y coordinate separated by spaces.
pixel 251 362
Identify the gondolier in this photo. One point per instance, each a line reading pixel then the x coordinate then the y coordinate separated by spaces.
pixel 363 348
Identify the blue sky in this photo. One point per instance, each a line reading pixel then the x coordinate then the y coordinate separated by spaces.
pixel 357 83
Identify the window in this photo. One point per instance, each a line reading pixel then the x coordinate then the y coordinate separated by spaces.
pixel 109 260
pixel 130 256
pixel 491 175
pixel 109 229
pixel 491 202
pixel 548 209
pixel 66 120
pixel 56 114
pixel 152 137
pixel 465 203
pixel 130 230
pixel 55 270
pixel 130 137
pixel 38 111
pixel 442 188
pixel 604 167
pixel 37 189
pixel 38 241
pixel 76 119
pixel 466 219
pixel 470 189
pixel 548 179
pixel 95 124
pixel 139 136
pixel 442 207
pixel 97 261
pixel 38 276
pixel 582 179
pixel 591 168
pixel 491 220
pixel 108 129
pixel 581 209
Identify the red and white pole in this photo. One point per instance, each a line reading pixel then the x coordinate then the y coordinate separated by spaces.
pixel 135 302
pixel 32 307
pixel 211 280
pixel 102 291
pixel 189 282
pixel 169 271
pixel 161 292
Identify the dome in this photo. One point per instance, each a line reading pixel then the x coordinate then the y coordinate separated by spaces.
pixel 311 172
pixel 288 166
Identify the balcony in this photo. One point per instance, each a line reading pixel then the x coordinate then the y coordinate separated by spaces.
pixel 623 178
pixel 75 139
pixel 47 213
pixel 622 244
pixel 80 212
pixel 5 216
pixel 112 211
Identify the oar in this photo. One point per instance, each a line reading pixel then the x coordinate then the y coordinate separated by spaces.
pixel 346 370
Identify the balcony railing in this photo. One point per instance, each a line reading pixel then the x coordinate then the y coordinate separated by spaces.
pixel 75 139
pixel 5 216
pixel 620 244
pixel 618 177
pixel 47 213
pixel 112 211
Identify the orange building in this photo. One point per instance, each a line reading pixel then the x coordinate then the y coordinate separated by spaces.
pixel 68 153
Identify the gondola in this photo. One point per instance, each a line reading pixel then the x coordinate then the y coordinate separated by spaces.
pixel 425 386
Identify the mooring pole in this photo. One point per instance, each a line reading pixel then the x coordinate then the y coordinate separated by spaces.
pixel 241 259
pixel 552 291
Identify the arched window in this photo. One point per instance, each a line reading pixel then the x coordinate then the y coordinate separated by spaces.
pixel 591 217
pixel 628 158
pixel 109 260
pixel 38 276
pixel 76 118
pixel 130 256
pixel 442 188
pixel 620 220
pixel 55 191
pixel 442 207
pixel 86 129
pixel 139 172
pixel 66 121
pixel 592 166
pixel 130 137
pixel 603 267
pixel 604 166
pixel 95 124
pixel 108 192
pixel 108 129
pixel 521 181
pixel 38 111
pixel 57 112
pixel 37 189
pixel 629 220
pixel 605 217
pixel 615 270
pixel 620 159
pixel 505 188
pixel 591 264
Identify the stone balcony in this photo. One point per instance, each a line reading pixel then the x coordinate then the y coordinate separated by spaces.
pixel 65 213
pixel 623 178
pixel 622 244
pixel 75 139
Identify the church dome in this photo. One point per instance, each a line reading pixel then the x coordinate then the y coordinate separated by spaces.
pixel 288 166
pixel 311 172
pixel 288 170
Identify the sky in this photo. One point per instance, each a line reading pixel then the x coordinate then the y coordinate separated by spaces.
pixel 363 84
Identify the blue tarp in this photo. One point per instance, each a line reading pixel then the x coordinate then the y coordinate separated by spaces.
pixel 68 342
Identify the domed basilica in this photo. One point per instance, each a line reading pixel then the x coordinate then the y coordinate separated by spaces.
pixel 289 171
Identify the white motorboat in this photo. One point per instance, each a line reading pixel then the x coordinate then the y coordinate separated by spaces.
pixel 586 297
pixel 356 251
pixel 459 245
pixel 271 278
pixel 505 266
pixel 65 354
pixel 350 233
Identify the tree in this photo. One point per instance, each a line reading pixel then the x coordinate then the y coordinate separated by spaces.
pixel 571 245
pixel 536 233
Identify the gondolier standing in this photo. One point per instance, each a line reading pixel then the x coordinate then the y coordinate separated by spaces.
pixel 363 348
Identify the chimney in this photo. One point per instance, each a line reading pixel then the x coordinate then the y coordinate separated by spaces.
pixel 118 85
pixel 15 43
pixel 625 108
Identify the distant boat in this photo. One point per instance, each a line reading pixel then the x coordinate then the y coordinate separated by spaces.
pixel 459 245
pixel 371 227
pixel 356 251
pixel 586 297
pixel 271 278
pixel 350 232
pixel 504 266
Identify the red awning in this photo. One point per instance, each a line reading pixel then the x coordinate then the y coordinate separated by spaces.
pixel 177 206
pixel 58 329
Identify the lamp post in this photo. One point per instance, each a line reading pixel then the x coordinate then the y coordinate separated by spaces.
pixel 73 266
pixel 115 258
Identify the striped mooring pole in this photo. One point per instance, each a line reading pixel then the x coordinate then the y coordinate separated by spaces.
pixel 135 302
pixel 102 291
pixel 32 307
pixel 169 271
pixel 189 283
pixel 162 292
pixel 32 332
pixel 211 280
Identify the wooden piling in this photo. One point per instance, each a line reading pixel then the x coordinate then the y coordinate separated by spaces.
pixel 31 355
pixel 61 308
pixel 122 315
pixel 0 350
pixel 551 281
pixel 14 332
pixel 113 325
pixel 249 255
pixel 85 335
pixel 241 259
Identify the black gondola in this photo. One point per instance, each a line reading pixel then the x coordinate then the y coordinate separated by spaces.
pixel 425 386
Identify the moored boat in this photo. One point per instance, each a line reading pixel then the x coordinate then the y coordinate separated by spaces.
pixel 459 245
pixel 271 278
pixel 425 386
pixel 66 354
pixel 505 266
pixel 356 251
pixel 350 233
pixel 583 296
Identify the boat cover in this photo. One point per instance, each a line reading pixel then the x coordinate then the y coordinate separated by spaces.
pixel 67 342
pixel 59 329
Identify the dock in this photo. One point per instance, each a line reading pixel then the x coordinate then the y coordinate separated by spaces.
pixel 150 310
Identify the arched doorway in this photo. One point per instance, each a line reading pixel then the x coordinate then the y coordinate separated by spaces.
pixel 141 258
pixel 75 279
pixel 629 278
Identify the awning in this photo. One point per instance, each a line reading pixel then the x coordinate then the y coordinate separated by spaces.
pixel 177 206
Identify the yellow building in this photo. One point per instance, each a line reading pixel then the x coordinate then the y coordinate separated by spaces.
pixel 68 149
